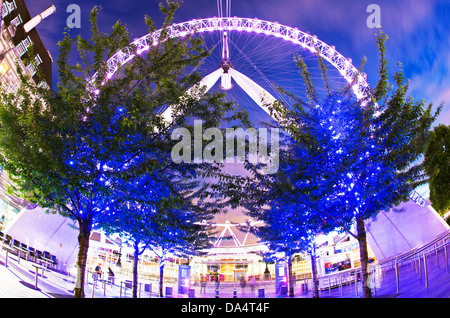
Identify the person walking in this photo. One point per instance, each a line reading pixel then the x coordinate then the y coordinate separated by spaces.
pixel 243 283
pixel 252 283
pixel 97 274
pixel 203 282
pixel 217 280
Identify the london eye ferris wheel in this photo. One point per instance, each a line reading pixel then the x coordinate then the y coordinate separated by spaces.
pixel 249 60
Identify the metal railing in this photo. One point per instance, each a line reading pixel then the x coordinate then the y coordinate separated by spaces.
pixel 417 259
pixel 339 280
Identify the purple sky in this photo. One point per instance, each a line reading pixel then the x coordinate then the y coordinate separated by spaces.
pixel 418 30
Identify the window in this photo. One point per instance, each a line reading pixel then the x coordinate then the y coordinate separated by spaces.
pixel 4 10
pixel 4 67
pixel 27 42
pixel 37 59
pixel 19 49
pixel 22 47
pixel 31 69
pixel 8 7
pixel 43 84
pixel 14 85
pixel 16 21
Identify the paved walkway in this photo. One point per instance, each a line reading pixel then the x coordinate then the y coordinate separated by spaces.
pixel 17 280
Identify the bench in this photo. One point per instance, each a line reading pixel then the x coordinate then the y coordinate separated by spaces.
pixel 36 274
pixel 25 251
pixel 40 258
pixel 8 250
pixel 45 261
pixel 32 253
pixel 20 250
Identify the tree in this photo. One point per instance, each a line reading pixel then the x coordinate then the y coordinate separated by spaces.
pixel 437 167
pixel 288 230
pixel 185 233
pixel 136 215
pixel 344 159
pixel 66 149
pixel 360 158
pixel 150 207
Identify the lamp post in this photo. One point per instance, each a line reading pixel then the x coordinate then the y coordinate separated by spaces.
pixel 37 19
pixel 119 263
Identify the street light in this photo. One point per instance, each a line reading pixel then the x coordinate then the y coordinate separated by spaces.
pixel 37 19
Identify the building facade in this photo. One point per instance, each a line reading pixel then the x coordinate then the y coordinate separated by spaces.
pixel 20 44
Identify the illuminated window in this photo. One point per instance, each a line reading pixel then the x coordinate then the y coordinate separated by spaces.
pixel 27 42
pixel 4 67
pixel 31 69
pixel 22 47
pixel 8 7
pixel 16 21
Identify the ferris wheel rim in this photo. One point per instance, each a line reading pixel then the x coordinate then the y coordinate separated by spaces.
pixel 344 65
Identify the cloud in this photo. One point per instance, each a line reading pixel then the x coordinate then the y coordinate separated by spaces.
pixel 444 117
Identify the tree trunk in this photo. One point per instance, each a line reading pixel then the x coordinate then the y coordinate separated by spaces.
pixel 291 278
pixel 135 270
pixel 364 257
pixel 315 280
pixel 83 247
pixel 161 278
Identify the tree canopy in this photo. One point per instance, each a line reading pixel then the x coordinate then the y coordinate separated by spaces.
pixel 437 167
pixel 342 159
pixel 71 150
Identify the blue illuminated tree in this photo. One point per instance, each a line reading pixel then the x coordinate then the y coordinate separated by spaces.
pixel 288 229
pixel 157 211
pixel 135 216
pixel 68 149
pixel 185 232
pixel 360 156
pixel 344 159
